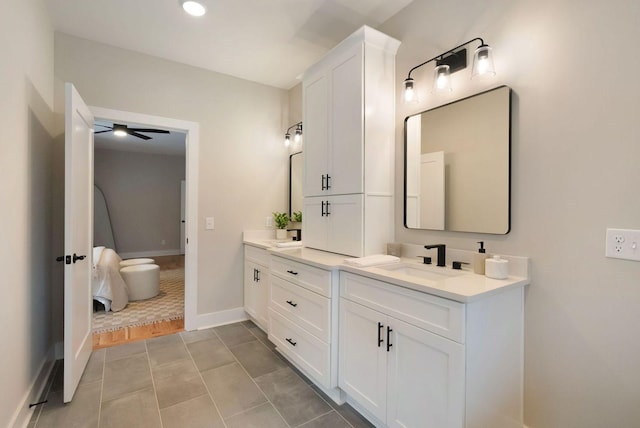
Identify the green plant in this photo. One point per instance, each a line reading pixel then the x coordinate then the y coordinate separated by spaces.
pixel 281 219
pixel 297 216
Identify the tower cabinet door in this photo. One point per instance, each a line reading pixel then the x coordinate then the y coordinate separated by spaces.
pixel 314 232
pixel 362 357
pixel 426 379
pixel 345 224
pixel 316 134
pixel 346 141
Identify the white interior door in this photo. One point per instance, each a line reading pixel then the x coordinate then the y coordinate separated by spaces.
pixel 183 214
pixel 78 237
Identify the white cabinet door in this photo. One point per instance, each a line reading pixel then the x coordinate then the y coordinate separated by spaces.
pixel 316 135
pixel 425 379
pixel 346 141
pixel 363 356
pixel 345 224
pixel 256 292
pixel 314 231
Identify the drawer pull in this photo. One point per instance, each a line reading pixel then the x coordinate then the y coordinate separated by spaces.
pixel 257 275
pixel 380 340
pixel 291 303
pixel 389 345
pixel 291 341
pixel 292 272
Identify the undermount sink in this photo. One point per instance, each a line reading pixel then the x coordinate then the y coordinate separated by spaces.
pixel 425 272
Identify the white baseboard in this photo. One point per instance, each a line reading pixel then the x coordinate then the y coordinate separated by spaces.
pixel 214 319
pixel 150 253
pixel 22 415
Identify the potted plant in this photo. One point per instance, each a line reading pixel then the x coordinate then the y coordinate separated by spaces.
pixel 281 220
pixel 297 216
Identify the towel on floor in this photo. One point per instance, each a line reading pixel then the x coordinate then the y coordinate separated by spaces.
pixel 374 260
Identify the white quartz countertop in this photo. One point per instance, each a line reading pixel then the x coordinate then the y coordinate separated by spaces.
pixel 466 287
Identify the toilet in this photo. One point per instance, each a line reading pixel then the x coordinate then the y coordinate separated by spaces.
pixel 143 280
pixel 134 262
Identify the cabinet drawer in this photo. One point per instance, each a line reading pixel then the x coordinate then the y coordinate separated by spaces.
pixel 310 277
pixel 306 350
pixel 441 316
pixel 258 255
pixel 308 310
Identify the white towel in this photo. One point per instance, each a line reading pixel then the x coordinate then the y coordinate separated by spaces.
pixel 374 260
pixel 289 244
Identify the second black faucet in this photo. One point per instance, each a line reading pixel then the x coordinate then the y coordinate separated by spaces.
pixel 441 253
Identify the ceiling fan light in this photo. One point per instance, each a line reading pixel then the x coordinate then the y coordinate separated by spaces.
pixel 119 133
pixel 193 8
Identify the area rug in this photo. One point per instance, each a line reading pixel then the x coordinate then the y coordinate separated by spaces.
pixel 166 306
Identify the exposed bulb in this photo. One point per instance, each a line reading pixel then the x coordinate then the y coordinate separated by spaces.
pixel 441 79
pixel 298 134
pixel 287 139
pixel 409 91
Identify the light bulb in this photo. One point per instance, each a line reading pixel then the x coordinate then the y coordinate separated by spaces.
pixel 119 133
pixel 287 139
pixel 194 8
pixel 441 79
pixel 296 138
pixel 409 91
pixel 482 63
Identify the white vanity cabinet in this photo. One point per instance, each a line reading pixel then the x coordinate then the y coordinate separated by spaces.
pixel 411 359
pixel 257 280
pixel 303 319
pixel 349 127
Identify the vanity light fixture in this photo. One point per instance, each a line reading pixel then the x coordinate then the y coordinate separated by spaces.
pixel 297 135
pixel 449 62
pixel 193 8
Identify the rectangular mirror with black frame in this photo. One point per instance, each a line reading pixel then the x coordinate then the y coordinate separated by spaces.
pixel 296 199
pixel 457 165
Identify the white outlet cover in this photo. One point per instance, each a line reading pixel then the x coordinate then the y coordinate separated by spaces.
pixel 623 244
pixel 209 223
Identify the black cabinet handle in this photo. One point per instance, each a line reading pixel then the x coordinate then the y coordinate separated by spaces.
pixel 389 345
pixel 323 185
pixel 292 272
pixel 76 257
pixel 257 275
pixel 322 209
pixel 327 209
pixel 380 340
pixel 291 303
pixel 291 341
pixel 328 182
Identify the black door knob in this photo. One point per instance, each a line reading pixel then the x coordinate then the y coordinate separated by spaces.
pixel 76 257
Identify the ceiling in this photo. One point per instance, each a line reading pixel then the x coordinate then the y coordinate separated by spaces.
pixel 266 41
pixel 164 144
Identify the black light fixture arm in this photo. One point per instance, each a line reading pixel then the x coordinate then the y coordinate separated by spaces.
pixel 295 125
pixel 441 56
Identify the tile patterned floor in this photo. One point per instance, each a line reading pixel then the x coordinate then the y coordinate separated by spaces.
pixel 228 376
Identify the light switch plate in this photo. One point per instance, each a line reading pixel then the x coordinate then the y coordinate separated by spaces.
pixel 208 223
pixel 623 244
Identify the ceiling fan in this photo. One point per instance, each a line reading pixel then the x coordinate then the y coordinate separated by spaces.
pixel 123 130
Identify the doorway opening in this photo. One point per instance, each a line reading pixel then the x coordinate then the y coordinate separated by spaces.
pixel 172 246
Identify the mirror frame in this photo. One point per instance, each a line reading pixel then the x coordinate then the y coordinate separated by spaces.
pixel 290 175
pixel 404 202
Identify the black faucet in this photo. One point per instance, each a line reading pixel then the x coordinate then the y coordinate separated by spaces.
pixel 298 236
pixel 441 253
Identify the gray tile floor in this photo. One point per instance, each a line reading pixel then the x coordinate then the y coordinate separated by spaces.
pixel 227 376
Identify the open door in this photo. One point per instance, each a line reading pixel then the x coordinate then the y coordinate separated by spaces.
pixel 183 214
pixel 78 237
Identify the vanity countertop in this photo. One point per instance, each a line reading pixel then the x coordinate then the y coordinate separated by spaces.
pixel 466 287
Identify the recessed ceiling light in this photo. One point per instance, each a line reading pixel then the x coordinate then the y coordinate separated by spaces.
pixel 193 7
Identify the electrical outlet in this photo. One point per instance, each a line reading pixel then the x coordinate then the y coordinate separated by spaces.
pixel 208 223
pixel 623 244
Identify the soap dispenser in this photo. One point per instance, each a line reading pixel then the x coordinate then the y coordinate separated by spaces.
pixel 479 259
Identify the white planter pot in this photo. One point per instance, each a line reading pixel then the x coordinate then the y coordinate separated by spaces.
pixel 281 233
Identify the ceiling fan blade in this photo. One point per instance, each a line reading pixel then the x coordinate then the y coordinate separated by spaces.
pixel 157 131
pixel 135 134
pixel 106 130
pixel 104 126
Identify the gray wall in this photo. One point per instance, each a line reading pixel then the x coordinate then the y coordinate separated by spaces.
pixel 143 196
pixel 26 259
pixel 575 173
